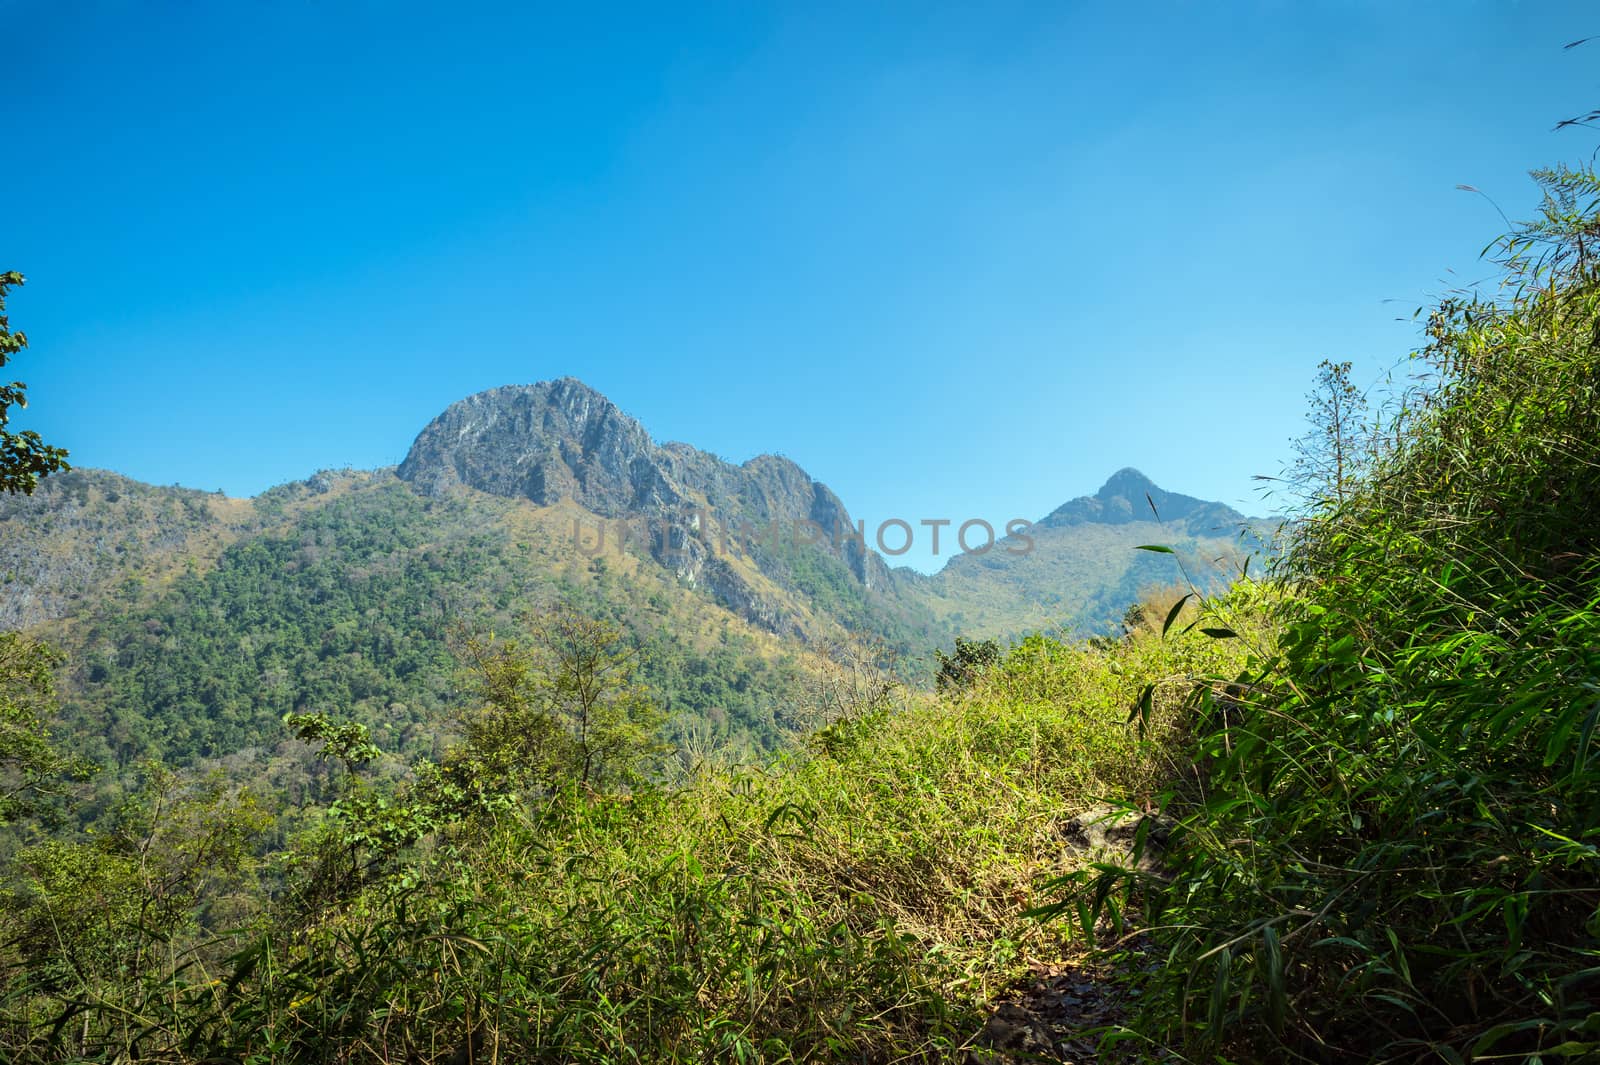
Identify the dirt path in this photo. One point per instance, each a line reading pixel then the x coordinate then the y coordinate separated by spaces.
pixel 1050 1015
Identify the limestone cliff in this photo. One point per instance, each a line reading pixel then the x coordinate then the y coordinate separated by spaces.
pixel 561 441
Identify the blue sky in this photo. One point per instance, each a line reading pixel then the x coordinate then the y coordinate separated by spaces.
pixel 958 260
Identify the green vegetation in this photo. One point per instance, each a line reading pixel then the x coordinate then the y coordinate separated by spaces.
pixel 32 768
pixel 505 804
pixel 834 592
pixel 565 707
pixel 1389 851
pixel 24 457
pixel 356 607
pixel 861 898
pixel 963 667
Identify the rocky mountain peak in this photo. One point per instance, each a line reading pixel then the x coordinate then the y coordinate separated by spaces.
pixel 547 442
pixel 1127 496
pixel 1126 483
pixel 561 441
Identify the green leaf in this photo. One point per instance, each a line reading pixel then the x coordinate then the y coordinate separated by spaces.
pixel 1143 705
pixel 1218 1011
pixel 1271 963
pixel 1572 1049
pixel 1172 615
pixel 1157 548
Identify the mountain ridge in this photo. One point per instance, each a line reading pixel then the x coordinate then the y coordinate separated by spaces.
pixel 732 530
pixel 196 620
pixel 561 440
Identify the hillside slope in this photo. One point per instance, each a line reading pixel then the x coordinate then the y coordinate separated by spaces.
pixel 1079 568
pixel 194 621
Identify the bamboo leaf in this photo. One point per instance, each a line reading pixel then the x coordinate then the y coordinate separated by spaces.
pixel 1172 615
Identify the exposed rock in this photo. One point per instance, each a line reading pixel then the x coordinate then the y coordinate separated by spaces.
pixel 562 441
pixel 1106 833
pixel 1013 1027
pixel 1055 1014
pixel 549 442
pixel 729 589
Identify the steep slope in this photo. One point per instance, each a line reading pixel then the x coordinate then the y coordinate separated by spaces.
pixel 192 623
pixel 733 530
pixel 1079 568
pixel 85 535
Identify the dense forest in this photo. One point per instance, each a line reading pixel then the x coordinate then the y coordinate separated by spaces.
pixel 1359 788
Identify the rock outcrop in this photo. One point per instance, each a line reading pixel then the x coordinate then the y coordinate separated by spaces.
pixel 1112 834
pixel 560 441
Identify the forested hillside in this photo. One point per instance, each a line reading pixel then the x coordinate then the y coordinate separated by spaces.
pixel 194 622
pixel 346 594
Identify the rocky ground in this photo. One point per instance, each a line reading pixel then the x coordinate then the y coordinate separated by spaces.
pixel 1060 1011
pixel 1057 1013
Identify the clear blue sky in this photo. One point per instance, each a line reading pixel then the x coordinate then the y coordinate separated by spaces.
pixel 958 260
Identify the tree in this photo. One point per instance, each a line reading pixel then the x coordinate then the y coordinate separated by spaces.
pixel 366 829
pixel 32 768
pixel 586 673
pixel 110 905
pixel 24 458
pixel 1336 450
pixel 562 708
pixel 972 659
pixel 851 678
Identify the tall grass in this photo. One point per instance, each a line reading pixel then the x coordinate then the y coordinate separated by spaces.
pixel 1392 851
pixel 862 899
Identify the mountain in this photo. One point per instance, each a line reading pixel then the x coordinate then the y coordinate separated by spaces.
pixel 1130 498
pixel 1079 568
pixel 192 621
pixel 734 530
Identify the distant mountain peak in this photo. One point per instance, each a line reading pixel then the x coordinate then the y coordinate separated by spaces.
pixel 1127 483
pixel 1128 496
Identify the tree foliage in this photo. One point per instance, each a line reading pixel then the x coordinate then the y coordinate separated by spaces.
pixel 562 706
pixel 970 660
pixel 24 457
pixel 94 912
pixel 33 766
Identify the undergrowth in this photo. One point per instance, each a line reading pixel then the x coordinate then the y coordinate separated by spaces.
pixel 1390 853
pixel 861 899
